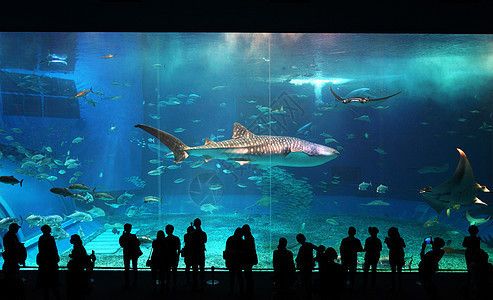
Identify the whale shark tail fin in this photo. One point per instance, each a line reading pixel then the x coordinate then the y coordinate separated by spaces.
pixel 173 143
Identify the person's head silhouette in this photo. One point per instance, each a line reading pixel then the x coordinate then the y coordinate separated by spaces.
pixel 197 223
pixel 331 254
pixel 160 234
pixel 190 229
pixel 373 231
pixel 46 229
pixel 75 240
pixel 438 243
pixel 238 232
pixel 393 232
pixel 246 230
pixel 169 229
pixel 473 230
pixel 283 243
pixel 14 227
pixel 300 238
pixel 127 227
pixel 351 231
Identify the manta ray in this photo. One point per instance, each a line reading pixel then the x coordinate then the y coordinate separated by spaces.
pixel 246 147
pixel 361 100
pixel 459 190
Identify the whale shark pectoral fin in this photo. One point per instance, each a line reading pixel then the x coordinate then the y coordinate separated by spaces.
pixel 479 201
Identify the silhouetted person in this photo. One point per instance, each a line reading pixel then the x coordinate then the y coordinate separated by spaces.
pixel 47 260
pixel 173 246
pixel 305 263
pixel 350 246
pixel 78 267
pixel 158 258
pixel 197 252
pixel 473 256
pixel 284 269
pixel 483 270
pixel 332 276
pixel 233 256
pixel 322 262
pixel 396 247
pixel 250 257
pixel 131 252
pixel 185 252
pixel 14 254
pixel 428 265
pixel 373 247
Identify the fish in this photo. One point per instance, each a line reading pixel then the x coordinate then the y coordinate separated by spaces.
pixel 144 239
pixel 380 151
pixel 9 138
pixel 79 187
pixel 476 221
pixel 61 172
pixel 108 56
pixel 360 100
pixel 241 185
pixel 62 192
pixel 364 186
pixel 152 199
pixel 115 231
pixel 155 172
pixel 433 169
pixel 431 222
pixel 179 130
pixel 51 178
pixel 35 220
pixel 59 233
pixel 364 118
pixel 219 87
pixel 124 197
pixel 37 157
pixel 179 180
pixel 77 140
pixel 255 178
pixel 73 180
pixel 196 164
pixel 83 93
pixel 104 196
pixel 305 129
pixel 382 189
pixel 96 212
pixel 246 147
pixel 376 203
pixel 5 222
pixel 459 190
pixel 209 208
pixel 132 211
pixel 215 187
pixel 80 216
pixel 11 180
pixel 331 221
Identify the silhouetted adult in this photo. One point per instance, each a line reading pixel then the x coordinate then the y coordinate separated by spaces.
pixel 47 260
pixel 185 252
pixel 428 265
pixel 131 253
pixel 305 263
pixel 284 269
pixel 197 253
pixel 173 247
pixel 78 267
pixel 472 243
pixel 158 258
pixel 250 257
pixel 483 271
pixel 396 247
pixel 350 246
pixel 14 254
pixel 333 276
pixel 373 247
pixel 233 256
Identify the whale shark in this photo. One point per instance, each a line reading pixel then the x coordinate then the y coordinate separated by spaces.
pixel 245 147
pixel 459 190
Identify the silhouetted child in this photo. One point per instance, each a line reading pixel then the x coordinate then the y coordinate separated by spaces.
pixel 197 252
pixel 158 259
pixel 185 252
pixel 428 265
pixel 350 246
pixel 373 247
pixel 396 247
pixel 131 252
pixel 233 256
pixel 305 263
pixel 332 277
pixel 284 269
pixel 472 243
pixel 47 259
pixel 173 247
pixel 250 257
pixel 473 256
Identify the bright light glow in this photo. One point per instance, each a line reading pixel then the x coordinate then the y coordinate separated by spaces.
pixel 318 84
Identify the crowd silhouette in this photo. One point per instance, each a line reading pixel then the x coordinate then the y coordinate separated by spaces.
pixel 240 257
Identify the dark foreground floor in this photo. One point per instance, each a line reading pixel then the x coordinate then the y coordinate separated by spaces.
pixel 108 285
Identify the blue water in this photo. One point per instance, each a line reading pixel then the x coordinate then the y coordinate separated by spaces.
pixel 445 84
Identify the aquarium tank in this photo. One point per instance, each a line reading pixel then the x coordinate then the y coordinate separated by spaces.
pixel 287 132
